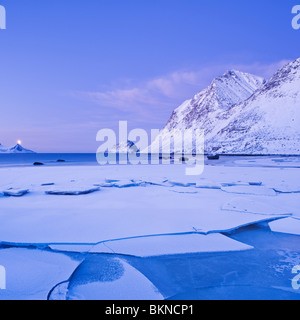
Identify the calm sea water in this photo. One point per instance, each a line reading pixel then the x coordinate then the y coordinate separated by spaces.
pixel 50 159
pixel 27 159
pixel 90 159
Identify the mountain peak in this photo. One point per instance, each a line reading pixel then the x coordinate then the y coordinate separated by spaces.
pixel 242 113
pixel 15 149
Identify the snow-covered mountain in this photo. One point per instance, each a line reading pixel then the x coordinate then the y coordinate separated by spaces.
pixel 207 108
pixel 268 122
pixel 244 114
pixel 16 149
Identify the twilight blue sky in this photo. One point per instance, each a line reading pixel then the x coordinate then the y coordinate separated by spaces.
pixel 71 67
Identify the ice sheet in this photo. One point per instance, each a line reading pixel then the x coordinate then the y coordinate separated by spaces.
pixel 71 190
pixel 171 245
pixel 290 226
pixel 117 213
pixel 114 279
pixel 31 274
pixel 254 206
pixel 256 190
pixel 284 188
pixel 14 192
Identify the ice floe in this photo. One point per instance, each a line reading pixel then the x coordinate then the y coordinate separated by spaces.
pixel 208 185
pixel 75 224
pixel 251 190
pixel 290 226
pixel 181 184
pixel 170 245
pixel 30 274
pixel 253 206
pixel 125 183
pixel 71 190
pixel 113 279
pixel 14 192
pixel 283 188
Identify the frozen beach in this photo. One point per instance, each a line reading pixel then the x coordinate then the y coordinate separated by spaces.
pixel 77 230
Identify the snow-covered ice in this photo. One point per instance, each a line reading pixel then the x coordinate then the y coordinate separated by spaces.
pixel 257 190
pixel 72 190
pixel 254 206
pixel 290 225
pixel 14 192
pixel 115 280
pixel 153 220
pixel 171 245
pixel 30 273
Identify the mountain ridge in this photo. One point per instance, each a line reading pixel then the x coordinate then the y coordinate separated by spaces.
pixel 15 149
pixel 242 113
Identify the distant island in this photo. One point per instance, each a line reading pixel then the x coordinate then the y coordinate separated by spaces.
pixel 16 149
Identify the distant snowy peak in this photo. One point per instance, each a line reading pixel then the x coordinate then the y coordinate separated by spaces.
pixel 124 147
pixel 16 149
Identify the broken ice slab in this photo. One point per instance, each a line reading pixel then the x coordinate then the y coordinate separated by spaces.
pixel 184 184
pixel 155 181
pixel 289 225
pixel 72 190
pixel 124 183
pixel 14 192
pixel 255 183
pixel 75 224
pixel 208 185
pixel 251 190
pixel 171 245
pixel 31 273
pixel 102 277
pixel 283 188
pixel 253 206
pixel 234 183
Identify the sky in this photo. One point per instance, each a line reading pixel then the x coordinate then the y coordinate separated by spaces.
pixel 70 68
